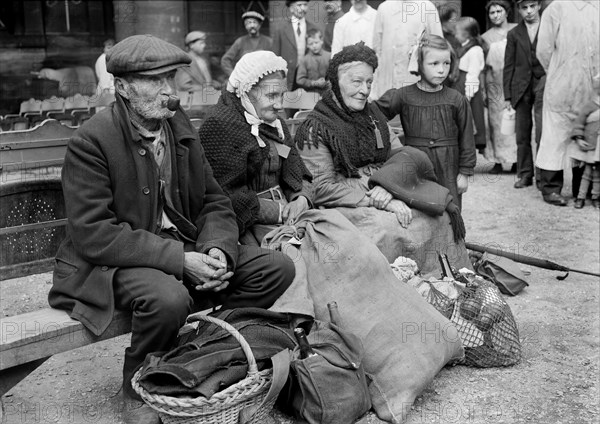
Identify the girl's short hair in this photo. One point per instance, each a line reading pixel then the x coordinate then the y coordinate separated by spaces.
pixel 470 25
pixel 432 41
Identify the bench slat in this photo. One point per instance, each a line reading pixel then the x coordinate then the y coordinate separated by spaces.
pixel 39 334
pixel 34 226
pixel 26 268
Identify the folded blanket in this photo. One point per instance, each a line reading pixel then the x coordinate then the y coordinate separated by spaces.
pixel 409 176
pixel 209 359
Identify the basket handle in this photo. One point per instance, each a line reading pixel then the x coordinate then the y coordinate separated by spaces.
pixel 281 370
pixel 252 368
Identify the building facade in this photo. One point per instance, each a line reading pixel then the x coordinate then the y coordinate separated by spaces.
pixel 36 34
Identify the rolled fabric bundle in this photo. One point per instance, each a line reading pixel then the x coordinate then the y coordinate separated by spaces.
pixel 409 176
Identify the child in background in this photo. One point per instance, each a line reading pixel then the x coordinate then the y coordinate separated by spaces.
pixel 448 18
pixel 436 119
pixel 471 65
pixel 313 66
pixel 584 150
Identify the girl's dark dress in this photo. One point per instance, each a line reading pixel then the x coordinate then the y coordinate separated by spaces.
pixel 438 123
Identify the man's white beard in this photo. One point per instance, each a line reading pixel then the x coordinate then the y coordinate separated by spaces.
pixel 150 109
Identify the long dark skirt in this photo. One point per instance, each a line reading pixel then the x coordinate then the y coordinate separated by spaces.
pixel 477 108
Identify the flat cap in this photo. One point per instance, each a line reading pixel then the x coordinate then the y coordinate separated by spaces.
pixel 145 55
pixel 194 36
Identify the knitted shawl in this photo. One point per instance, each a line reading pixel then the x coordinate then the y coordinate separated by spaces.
pixel 236 158
pixel 349 136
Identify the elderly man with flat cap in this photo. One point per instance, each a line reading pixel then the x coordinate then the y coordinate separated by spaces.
pixel 149 228
pixel 251 42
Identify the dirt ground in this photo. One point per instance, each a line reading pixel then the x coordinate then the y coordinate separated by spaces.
pixel 559 322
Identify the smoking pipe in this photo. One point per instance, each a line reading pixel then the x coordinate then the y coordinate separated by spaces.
pixel 171 103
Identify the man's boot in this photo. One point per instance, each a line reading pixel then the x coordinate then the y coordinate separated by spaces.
pixel 135 411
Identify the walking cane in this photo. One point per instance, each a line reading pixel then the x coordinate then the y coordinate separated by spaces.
pixel 537 262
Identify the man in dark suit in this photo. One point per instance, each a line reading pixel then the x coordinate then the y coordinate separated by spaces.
pixel 524 80
pixel 150 229
pixel 289 38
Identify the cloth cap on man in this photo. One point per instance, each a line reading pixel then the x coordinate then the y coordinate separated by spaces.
pixel 144 55
pixel 194 36
pixel 251 68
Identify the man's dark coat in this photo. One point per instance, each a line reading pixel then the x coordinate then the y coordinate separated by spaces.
pixel 111 190
pixel 520 63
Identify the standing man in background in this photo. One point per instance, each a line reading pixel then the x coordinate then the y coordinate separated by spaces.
pixel 524 79
pixel 569 52
pixel 398 26
pixel 289 38
pixel 253 41
pixel 334 13
pixel 355 26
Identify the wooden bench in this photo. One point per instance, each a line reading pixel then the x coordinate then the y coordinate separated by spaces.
pixel 27 340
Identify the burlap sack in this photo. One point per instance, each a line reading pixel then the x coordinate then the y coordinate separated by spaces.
pixel 406 340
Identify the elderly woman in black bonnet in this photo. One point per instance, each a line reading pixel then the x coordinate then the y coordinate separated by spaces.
pixel 346 140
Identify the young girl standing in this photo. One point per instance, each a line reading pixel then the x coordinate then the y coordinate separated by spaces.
pixel 436 119
pixel 471 65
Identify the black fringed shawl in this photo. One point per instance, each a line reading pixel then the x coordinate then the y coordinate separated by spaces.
pixel 236 158
pixel 349 136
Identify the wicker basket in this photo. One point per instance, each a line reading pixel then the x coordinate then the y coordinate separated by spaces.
pixel 223 407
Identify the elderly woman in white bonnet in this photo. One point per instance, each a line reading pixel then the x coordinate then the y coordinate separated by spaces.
pixel 251 151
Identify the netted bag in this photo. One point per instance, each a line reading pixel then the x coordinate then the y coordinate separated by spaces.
pixel 440 300
pixel 441 294
pixel 486 325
